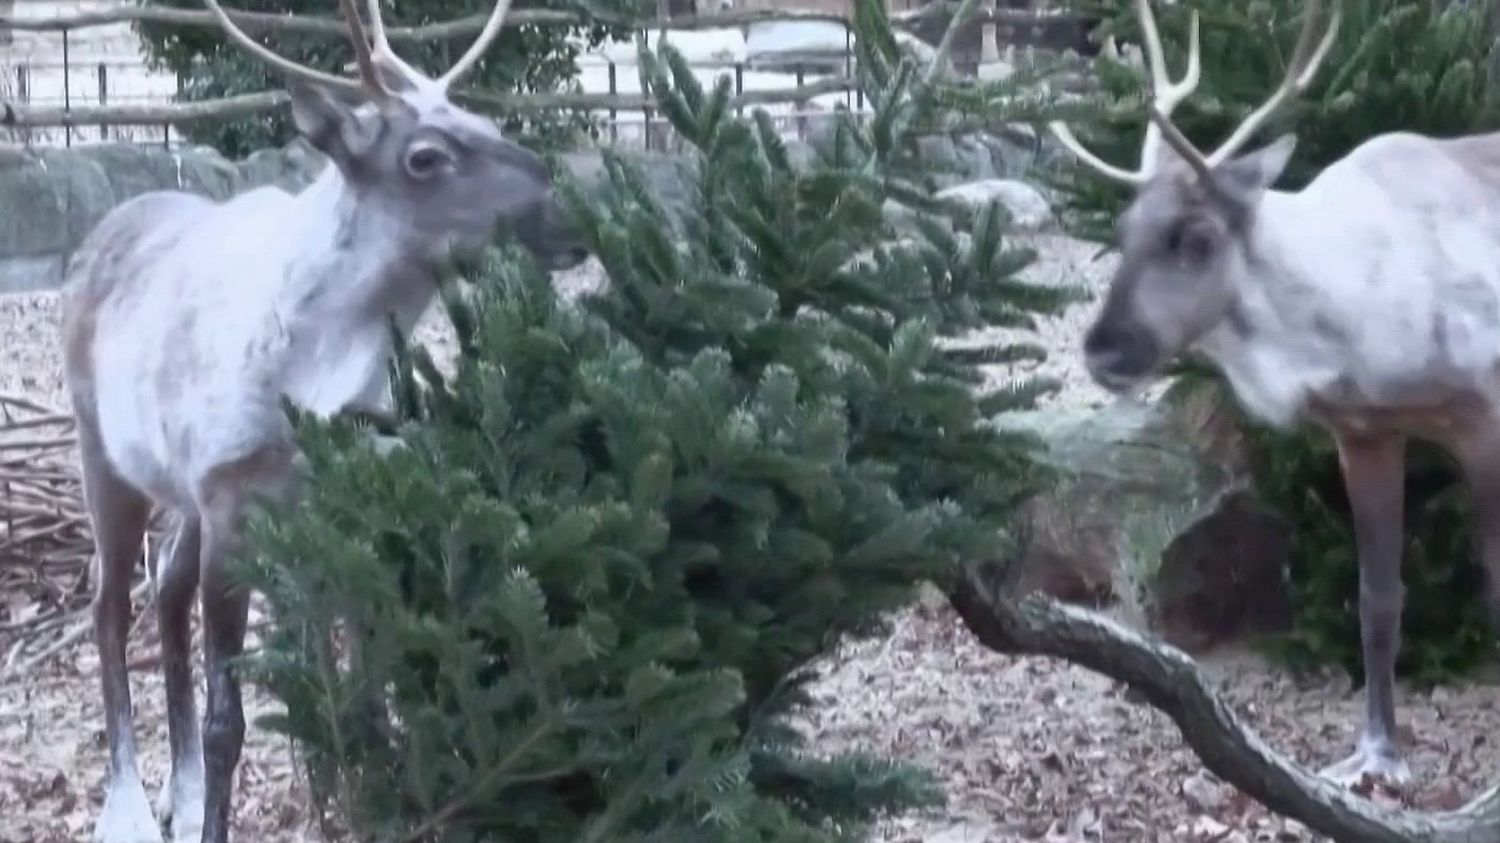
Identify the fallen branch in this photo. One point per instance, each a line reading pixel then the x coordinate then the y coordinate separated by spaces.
pixel 1170 681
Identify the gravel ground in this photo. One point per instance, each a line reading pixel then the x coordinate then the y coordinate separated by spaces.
pixel 1027 748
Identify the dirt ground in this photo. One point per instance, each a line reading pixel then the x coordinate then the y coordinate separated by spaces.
pixel 1027 748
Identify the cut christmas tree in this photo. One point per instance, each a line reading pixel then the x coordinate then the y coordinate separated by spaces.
pixel 581 602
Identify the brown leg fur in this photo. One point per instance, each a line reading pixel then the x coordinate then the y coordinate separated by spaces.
pixel 1374 479
pixel 118 515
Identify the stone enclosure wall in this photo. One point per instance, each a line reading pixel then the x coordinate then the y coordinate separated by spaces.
pixel 51 197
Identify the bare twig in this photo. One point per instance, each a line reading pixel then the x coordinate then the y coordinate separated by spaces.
pixel 1169 680
pixel 83 624
pixel 45 541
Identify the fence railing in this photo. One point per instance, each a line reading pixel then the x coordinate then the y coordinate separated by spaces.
pixel 67 101
pixel 66 86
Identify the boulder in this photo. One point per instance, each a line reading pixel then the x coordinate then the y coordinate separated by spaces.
pixel 1154 516
pixel 782 44
pixel 1029 210
pixel 1221 578
pixel 50 198
pixel 1013 148
pixel 290 168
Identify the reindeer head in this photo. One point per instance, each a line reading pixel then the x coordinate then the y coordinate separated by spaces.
pixel 444 175
pixel 1183 240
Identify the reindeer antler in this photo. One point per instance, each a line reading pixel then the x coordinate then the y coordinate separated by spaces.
pixel 1166 95
pixel 1299 74
pixel 486 36
pixel 386 55
pixel 368 81
pixel 382 46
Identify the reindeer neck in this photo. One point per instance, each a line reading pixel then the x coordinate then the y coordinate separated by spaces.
pixel 351 258
pixel 1288 336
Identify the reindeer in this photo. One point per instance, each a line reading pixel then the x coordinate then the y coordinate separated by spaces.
pixel 1367 303
pixel 186 321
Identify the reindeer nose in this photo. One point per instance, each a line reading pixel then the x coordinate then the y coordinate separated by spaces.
pixel 1119 354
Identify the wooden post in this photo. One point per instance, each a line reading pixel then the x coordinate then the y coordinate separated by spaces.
pixel 67 89
pixel 614 115
pixel 103 97
pixel 989 44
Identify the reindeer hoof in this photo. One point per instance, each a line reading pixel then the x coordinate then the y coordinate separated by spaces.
pixel 127 816
pixel 1371 763
pixel 180 806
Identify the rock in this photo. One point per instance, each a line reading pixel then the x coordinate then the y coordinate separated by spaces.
pixel 816 45
pixel 1204 792
pixel 1070 533
pixel 39 226
pixel 1152 514
pixel 290 168
pixel 975 159
pixel 1208 828
pixel 995 71
pixel 1014 149
pixel 66 191
pixel 1029 210
pixel 940 157
pixel 930 598
pixel 1221 578
pixel 51 198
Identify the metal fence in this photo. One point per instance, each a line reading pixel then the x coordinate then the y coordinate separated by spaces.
pixel 797 94
pixel 65 83
pixel 68 86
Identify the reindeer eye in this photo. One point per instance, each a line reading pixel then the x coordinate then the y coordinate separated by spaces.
pixel 426 160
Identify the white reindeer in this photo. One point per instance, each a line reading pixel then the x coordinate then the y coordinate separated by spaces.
pixel 186 321
pixel 1368 302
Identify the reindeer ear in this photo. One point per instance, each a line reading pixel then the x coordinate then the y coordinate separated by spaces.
pixel 332 124
pixel 1257 171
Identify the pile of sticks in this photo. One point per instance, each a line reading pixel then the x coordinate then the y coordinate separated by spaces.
pixel 46 547
pixel 44 531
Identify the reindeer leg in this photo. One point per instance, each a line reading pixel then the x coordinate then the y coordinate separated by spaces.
pixel 181 801
pixel 1374 477
pixel 1479 452
pixel 118 514
pixel 223 497
pixel 225 608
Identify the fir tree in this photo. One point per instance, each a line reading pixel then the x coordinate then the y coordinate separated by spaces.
pixel 581 603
